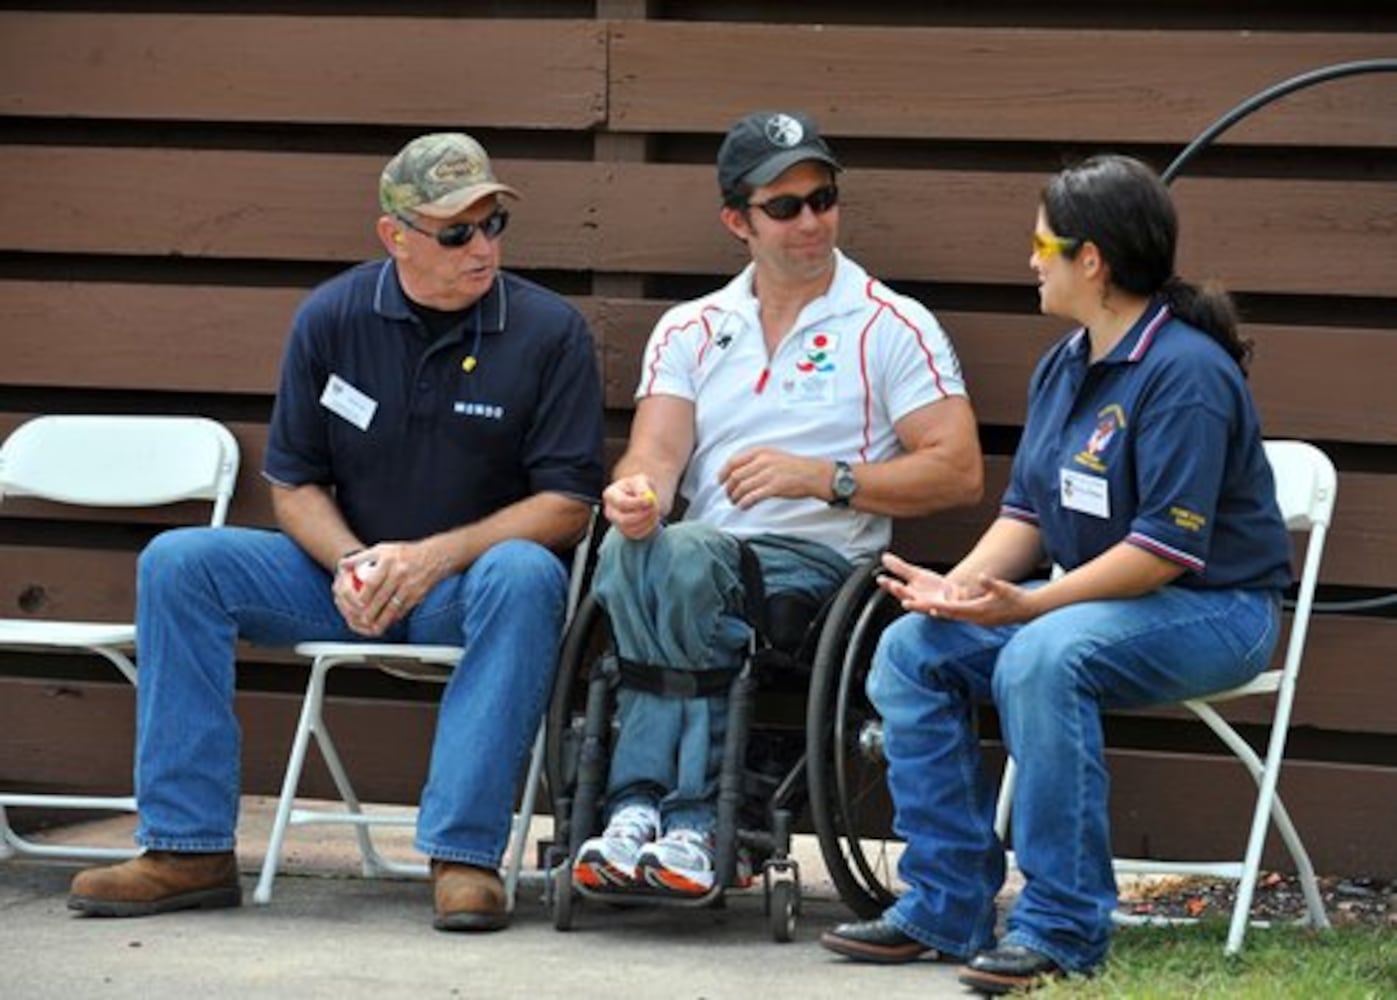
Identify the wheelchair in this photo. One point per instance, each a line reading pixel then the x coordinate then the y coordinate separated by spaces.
pixel 802 743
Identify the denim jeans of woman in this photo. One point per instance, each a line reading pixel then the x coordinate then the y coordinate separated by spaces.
pixel 201 589
pixel 675 599
pixel 1049 679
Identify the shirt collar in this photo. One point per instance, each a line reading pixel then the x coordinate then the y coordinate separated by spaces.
pixel 1138 339
pixel 845 288
pixel 391 303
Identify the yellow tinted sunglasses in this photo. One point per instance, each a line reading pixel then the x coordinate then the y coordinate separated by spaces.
pixel 1050 246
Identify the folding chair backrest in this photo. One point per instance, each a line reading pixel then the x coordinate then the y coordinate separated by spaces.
pixel 1306 486
pixel 108 462
pixel 121 461
pixel 1305 483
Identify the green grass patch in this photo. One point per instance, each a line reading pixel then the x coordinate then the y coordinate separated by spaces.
pixel 1346 963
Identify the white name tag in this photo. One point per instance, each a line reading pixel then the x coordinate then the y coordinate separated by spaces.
pixel 343 400
pixel 1084 493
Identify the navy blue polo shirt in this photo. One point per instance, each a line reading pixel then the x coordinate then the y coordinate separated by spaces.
pixel 413 438
pixel 1156 444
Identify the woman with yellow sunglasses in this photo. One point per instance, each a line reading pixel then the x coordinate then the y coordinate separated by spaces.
pixel 1140 474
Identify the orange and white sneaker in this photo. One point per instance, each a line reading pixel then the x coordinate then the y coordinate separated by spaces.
pixel 680 862
pixel 608 863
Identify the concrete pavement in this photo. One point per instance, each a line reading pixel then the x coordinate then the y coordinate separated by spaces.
pixel 329 933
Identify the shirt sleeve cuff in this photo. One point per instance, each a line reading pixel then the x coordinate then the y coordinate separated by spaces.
pixel 1018 513
pixel 1166 551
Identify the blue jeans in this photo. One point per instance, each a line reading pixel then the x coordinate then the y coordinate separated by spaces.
pixel 1049 679
pixel 198 590
pixel 676 599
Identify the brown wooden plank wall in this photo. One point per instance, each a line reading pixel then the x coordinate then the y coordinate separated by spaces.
pixel 177 175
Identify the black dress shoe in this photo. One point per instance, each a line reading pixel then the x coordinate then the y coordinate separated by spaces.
pixel 1010 968
pixel 874 941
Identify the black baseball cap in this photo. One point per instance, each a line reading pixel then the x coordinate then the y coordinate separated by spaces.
pixel 765 144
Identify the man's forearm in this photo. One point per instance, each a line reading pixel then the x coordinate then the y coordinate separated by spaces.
pixel 553 520
pixel 941 468
pixel 662 470
pixel 919 484
pixel 310 516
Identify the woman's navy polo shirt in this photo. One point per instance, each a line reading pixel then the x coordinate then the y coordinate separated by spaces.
pixel 444 442
pixel 1157 444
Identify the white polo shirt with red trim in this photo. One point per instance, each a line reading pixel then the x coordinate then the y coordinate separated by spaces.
pixel 859 358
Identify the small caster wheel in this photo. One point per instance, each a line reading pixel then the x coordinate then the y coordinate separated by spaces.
pixel 781 911
pixel 562 896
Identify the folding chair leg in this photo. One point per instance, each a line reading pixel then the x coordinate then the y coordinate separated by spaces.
pixel 309 713
pixel 1269 807
pixel 8 846
pixel 1304 868
pixel 372 861
pixel 13 845
pixel 523 819
pixel 1006 798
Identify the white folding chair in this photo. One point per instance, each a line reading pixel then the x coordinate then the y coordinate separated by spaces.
pixel 105 461
pixel 1306 487
pixel 415 662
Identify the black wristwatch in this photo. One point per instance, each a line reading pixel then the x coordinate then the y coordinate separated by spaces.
pixel 843 485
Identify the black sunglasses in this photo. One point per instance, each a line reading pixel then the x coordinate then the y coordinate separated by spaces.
pixel 785 207
pixel 461 233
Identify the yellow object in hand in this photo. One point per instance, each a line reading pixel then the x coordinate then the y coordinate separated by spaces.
pixel 650 495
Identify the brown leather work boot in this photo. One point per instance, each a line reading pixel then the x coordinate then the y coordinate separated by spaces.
pixel 468 898
pixel 158 882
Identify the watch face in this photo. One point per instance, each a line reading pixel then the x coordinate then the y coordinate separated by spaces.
pixel 844 482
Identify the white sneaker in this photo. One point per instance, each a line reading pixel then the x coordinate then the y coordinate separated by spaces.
pixel 608 862
pixel 680 862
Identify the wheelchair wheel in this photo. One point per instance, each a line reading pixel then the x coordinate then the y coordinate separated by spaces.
pixel 847 772
pixel 580 645
pixel 782 906
pixel 560 896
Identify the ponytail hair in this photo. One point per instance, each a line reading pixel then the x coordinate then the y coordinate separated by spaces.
pixel 1122 206
pixel 1210 308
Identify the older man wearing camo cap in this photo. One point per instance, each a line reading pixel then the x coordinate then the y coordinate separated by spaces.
pixel 436 438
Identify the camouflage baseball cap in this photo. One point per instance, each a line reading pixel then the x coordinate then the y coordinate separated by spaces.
pixel 438 175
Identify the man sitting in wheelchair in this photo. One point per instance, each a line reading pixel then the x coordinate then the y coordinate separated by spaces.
pixel 798 408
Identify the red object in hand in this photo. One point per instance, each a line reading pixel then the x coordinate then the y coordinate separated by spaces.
pixel 360 572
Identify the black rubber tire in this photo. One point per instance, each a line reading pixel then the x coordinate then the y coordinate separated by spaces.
pixel 848 786
pixel 574 660
pixel 782 910
pixel 561 896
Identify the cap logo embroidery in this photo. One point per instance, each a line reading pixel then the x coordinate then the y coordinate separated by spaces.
pixel 783 130
pixel 462 169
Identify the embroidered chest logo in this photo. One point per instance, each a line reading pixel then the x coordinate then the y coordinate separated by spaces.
pixel 817 349
pixel 489 411
pixel 722 337
pixel 812 381
pixel 1109 420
